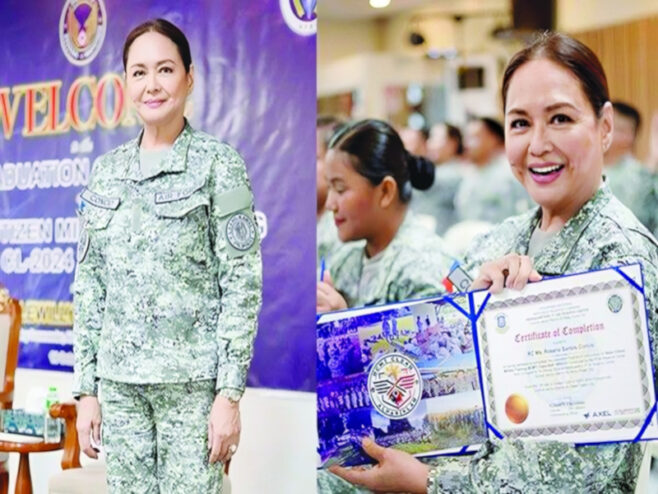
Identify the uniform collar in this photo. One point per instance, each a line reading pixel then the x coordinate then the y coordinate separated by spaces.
pixel 555 256
pixel 175 162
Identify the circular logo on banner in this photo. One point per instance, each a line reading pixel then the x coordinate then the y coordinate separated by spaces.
pixel 615 303
pixel 300 15
pixel 82 30
pixel 395 386
pixel 240 231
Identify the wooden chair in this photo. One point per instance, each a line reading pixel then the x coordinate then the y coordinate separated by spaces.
pixel 10 326
pixel 75 478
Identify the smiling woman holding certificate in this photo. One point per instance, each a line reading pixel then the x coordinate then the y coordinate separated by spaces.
pixel 558 125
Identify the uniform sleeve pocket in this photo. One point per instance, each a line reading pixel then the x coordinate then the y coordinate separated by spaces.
pixel 236 221
pixel 232 201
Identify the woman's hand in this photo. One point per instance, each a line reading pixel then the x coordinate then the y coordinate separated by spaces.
pixel 396 471
pixel 223 429
pixel 512 271
pixel 88 424
pixel 327 298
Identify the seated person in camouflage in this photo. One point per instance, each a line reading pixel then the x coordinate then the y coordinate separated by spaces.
pixel 370 177
pixel 558 124
pixel 167 287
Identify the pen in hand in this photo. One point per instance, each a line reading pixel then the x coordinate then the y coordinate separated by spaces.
pixel 322 268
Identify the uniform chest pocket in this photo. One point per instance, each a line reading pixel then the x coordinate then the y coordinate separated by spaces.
pixel 97 210
pixel 182 226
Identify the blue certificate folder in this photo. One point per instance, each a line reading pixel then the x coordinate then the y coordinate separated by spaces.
pixel 441 375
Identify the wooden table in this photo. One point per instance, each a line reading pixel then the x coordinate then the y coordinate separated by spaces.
pixel 25 447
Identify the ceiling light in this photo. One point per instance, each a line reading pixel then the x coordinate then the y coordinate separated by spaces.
pixel 379 4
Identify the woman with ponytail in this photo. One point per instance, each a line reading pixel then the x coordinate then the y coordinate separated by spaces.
pixel 371 177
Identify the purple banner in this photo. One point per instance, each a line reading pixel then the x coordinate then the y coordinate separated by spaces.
pixel 62 104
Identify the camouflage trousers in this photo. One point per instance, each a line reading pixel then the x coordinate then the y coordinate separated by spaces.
pixel 156 438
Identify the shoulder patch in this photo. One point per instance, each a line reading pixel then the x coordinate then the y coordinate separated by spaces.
pixel 241 231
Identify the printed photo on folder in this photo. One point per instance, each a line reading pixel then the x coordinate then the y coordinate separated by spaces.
pixel 566 359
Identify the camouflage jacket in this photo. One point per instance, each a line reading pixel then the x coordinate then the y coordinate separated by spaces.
pixel 491 194
pixel 411 266
pixel 603 233
pixel 168 281
pixel 439 200
pixel 633 185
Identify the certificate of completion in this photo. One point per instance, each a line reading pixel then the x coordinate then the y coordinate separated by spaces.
pixel 568 359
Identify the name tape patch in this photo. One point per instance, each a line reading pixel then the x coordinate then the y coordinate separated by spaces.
pixel 176 194
pixel 99 200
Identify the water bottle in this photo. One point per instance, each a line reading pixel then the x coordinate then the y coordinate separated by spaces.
pixel 52 428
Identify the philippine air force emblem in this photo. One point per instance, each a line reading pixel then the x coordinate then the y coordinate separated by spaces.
pixel 395 386
pixel 240 232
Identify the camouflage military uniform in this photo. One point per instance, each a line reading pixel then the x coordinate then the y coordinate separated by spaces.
pixel 411 266
pixel 491 193
pixel 633 185
pixel 132 427
pixel 439 200
pixel 603 233
pixel 168 283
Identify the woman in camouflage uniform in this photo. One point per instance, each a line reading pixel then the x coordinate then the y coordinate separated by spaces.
pixel 370 177
pixel 167 287
pixel 558 124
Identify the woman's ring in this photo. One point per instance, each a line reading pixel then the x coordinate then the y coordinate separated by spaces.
pixel 232 448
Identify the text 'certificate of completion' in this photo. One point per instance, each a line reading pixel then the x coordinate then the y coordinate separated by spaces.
pixel 568 359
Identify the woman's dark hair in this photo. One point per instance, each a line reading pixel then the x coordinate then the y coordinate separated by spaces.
pixel 165 28
pixel 377 152
pixel 455 135
pixel 570 54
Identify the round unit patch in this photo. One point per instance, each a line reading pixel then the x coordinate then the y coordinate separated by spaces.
pixel 240 231
pixel 395 386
